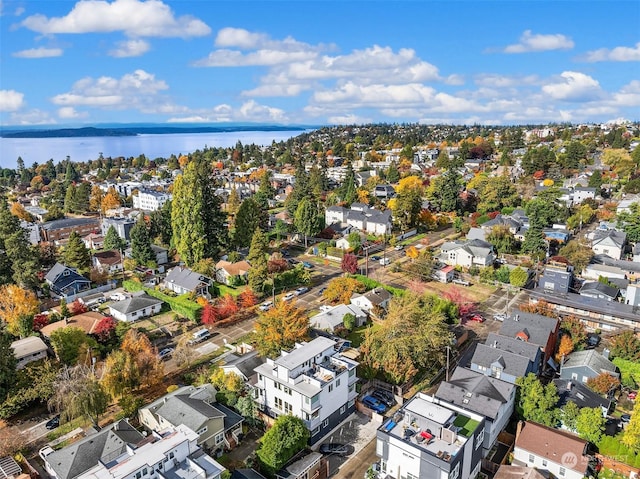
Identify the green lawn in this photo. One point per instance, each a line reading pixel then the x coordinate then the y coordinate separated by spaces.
pixel 467 424
pixel 224 290
pixel 357 335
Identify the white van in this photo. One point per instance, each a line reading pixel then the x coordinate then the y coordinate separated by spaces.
pixel 385 261
pixel 199 336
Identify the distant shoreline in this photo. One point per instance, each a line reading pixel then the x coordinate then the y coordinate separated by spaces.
pixel 138 130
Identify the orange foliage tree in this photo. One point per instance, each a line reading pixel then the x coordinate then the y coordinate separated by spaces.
pixel 280 328
pixel 340 290
pixel 18 305
pixel 603 383
pixel 541 307
pixel 564 348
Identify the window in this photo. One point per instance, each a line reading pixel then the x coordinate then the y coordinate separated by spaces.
pixel 278 403
pixel 337 382
pixel 306 400
pixel 315 431
pixel 574 376
pixel 287 408
pixel 330 387
pixel 219 438
pixel 325 423
pixel 479 438
pixel 145 472
pixel 171 455
pixel 287 390
pixel 259 377
pixel 544 463
pixel 531 458
pixel 343 409
pixel 138 475
pixel 455 472
pixel 352 372
pixel 563 471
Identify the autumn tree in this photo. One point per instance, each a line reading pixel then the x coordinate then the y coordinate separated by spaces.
pixel 502 239
pixel 340 290
pixel 72 345
pixel 247 299
pixel 20 212
pixel 540 307
pixel 537 402
pixel 578 254
pixel 603 383
pixel 625 345
pixel 16 305
pixel 564 348
pixel 109 201
pixel 575 329
pixel 631 435
pixel 79 393
pixel 349 263
pixel 95 198
pixel 280 328
pixel 105 330
pixel 413 337
pixel 619 160
pixel 407 204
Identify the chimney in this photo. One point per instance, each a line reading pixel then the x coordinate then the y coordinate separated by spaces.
pixel 519 428
pixel 569 386
pixel 495 343
pixel 605 353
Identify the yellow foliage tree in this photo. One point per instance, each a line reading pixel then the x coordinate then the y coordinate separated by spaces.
pixel 95 200
pixel 111 200
pixel 280 328
pixel 619 159
pixel 183 160
pixel 16 304
pixel 564 348
pixel 548 182
pixel 412 252
pixel 18 210
pixel 409 184
pixel 363 196
pixel 340 290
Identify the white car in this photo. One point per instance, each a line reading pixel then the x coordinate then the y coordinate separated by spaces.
pixel 266 306
pixel 301 290
pixel 385 261
pixel 288 296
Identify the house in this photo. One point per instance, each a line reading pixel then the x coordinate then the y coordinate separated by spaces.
pixel 87 322
pixel 361 217
pixel 59 230
pixel 331 317
pixel 119 451
pixel 136 307
pixel 518 472
pixel 633 295
pixel 611 242
pixel 581 395
pixel 28 350
pixel 580 194
pixel 243 365
pixel 384 191
pixel 556 279
pixel 149 200
pixel 343 243
pixel 599 290
pixel 467 253
pixel 424 439
pixel 309 466
pixel 107 261
pixel 182 280
pixel 556 234
pixel 161 254
pixel 516 346
pixel 594 271
pixel 533 328
pixel 583 365
pixel 487 396
pixel 635 252
pixel 217 427
pixel 500 364
pixel 64 281
pixel 121 224
pixel 444 274
pixel 313 382
pixel 558 452
pixel 93 241
pixel 227 273
pixel 377 298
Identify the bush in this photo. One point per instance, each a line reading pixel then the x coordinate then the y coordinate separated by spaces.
pixel 372 284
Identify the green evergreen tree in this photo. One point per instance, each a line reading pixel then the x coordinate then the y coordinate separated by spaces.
pixel 7 365
pixel 76 254
pixel 300 191
pixel 112 240
pixel 265 192
pixel 69 199
pixel 307 219
pixel 141 243
pixel 160 227
pixel 257 258
pixel 393 175
pixel 281 442
pixel 19 263
pixel 197 219
pixel 82 195
pixel 250 217
pixel 348 191
pixel 318 182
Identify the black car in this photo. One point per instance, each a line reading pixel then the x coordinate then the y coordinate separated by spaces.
pixel 334 448
pixel 385 397
pixel 53 423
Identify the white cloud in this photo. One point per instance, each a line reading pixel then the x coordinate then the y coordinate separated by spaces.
pixel 530 42
pixel 617 54
pixel 493 80
pixel 32 117
pixel 41 52
pixel 11 100
pixel 139 90
pixel 151 18
pixel 249 111
pixel 573 86
pixel 349 119
pixel 70 113
pixel 234 58
pixel 130 48
pixel 628 96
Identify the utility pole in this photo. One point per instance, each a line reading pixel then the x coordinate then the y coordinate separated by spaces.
pixel 366 261
pixel 446 374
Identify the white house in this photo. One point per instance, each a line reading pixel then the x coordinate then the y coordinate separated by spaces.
pixel 376 298
pixel 561 453
pixel 609 242
pixel 226 270
pixel 150 200
pixel 470 253
pixel 121 452
pixel 182 280
pixel 362 217
pixel 135 308
pixel 425 439
pixel 109 262
pixel 313 382
pixel 331 317
pixel 28 350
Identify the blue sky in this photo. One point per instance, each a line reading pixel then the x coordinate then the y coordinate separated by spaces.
pixel 318 62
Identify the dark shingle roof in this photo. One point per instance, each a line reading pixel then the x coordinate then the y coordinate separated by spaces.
pixel 578 393
pixel 589 358
pixel 68 223
pixel 513 364
pixel 513 345
pixel 245 363
pixel 538 327
pixel 135 303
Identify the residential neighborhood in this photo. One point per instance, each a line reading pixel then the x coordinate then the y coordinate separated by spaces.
pixel 451 307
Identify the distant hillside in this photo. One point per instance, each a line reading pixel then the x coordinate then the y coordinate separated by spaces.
pixel 137 130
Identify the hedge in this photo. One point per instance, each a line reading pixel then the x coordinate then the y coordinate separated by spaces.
pixel 372 283
pixel 179 304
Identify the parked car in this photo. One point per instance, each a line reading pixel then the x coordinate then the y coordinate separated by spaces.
pixel 476 317
pixel 461 282
pixel 334 448
pixel 375 258
pixel 385 397
pixel 266 306
pixel 625 418
pixel 166 353
pixel 307 265
pixel 53 423
pixel 593 340
pixel 199 336
pixel 322 290
pixel 499 317
pixel 385 261
pixel 373 403
pixel 288 296
pixel 398 247
pixel 301 290
pixel 117 297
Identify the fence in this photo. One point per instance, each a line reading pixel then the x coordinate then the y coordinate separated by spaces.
pixel 618 466
pixel 100 289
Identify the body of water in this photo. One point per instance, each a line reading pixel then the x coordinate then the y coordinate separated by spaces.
pixel 152 146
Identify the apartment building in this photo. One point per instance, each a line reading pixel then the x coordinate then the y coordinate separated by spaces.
pixel 313 382
pixel 150 200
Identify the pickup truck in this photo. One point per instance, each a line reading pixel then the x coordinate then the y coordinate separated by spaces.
pixel 461 282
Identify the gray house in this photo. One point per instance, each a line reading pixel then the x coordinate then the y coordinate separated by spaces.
pixel 64 281
pixel 581 395
pixel 556 279
pixel 122 226
pixel 598 290
pixel 182 280
pixel 582 365
pixel 500 364
pixel 332 317
pixel 516 346
pixel 490 397
pixel 533 328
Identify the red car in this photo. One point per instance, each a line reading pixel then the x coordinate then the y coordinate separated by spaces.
pixel 632 395
pixel 476 317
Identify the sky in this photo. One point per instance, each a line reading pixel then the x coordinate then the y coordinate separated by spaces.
pixel 306 62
